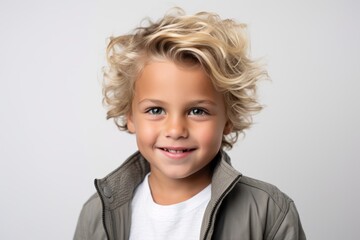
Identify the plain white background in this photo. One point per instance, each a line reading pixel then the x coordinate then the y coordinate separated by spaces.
pixel 54 139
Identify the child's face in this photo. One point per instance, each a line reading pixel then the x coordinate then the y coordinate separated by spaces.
pixel 179 119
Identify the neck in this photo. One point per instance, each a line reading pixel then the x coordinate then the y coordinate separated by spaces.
pixel 166 191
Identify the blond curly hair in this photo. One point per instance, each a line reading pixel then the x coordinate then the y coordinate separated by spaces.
pixel 220 47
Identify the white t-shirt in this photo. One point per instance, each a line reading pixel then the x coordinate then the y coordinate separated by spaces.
pixel 163 222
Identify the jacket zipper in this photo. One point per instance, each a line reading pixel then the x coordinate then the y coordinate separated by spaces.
pixel 103 209
pixel 216 206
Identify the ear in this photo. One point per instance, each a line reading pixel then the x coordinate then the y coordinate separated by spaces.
pixel 228 128
pixel 130 123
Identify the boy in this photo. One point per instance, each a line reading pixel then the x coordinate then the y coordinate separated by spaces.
pixel 186 88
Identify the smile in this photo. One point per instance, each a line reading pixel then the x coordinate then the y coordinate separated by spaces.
pixel 177 150
pixel 177 153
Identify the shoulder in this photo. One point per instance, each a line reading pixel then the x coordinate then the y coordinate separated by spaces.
pixel 258 199
pixel 89 224
pixel 263 191
pixel 93 205
pixel 261 200
pixel 93 200
pixel 260 209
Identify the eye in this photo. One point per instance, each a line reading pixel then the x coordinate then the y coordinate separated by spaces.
pixel 155 111
pixel 198 111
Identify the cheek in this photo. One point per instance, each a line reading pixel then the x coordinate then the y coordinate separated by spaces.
pixel 210 136
pixel 145 132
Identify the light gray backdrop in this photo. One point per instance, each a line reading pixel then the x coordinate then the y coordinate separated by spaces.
pixel 54 139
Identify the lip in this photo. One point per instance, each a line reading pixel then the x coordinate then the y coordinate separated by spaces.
pixel 176 152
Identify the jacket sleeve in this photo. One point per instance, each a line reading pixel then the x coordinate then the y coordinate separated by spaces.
pixel 290 227
pixel 89 226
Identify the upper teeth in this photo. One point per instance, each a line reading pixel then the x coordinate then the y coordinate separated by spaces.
pixel 174 151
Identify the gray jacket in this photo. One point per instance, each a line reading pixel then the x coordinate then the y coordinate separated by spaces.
pixel 240 207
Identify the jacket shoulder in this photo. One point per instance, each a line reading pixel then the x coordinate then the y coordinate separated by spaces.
pixel 264 190
pixel 90 224
pixel 94 199
pixel 258 210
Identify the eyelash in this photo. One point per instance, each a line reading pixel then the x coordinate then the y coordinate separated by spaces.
pixel 160 111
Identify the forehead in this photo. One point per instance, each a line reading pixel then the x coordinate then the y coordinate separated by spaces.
pixel 165 79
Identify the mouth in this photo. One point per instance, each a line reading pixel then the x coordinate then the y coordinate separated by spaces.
pixel 177 150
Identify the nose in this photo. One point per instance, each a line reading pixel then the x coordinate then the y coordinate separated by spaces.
pixel 176 127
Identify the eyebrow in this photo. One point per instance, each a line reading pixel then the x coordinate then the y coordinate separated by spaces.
pixel 160 102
